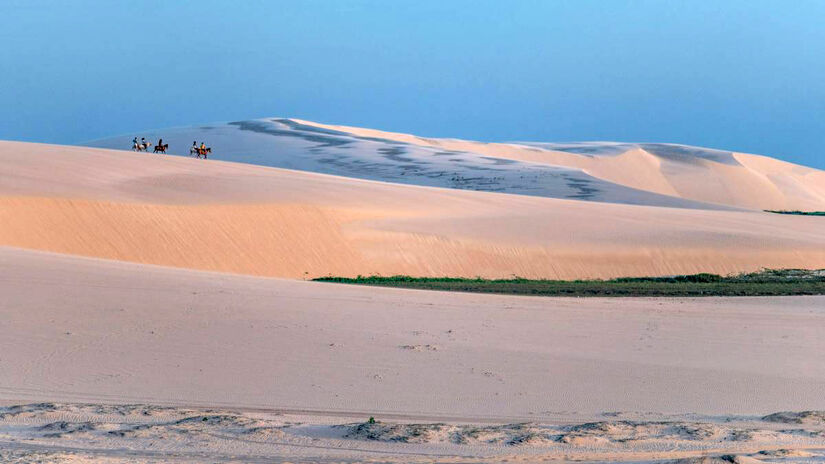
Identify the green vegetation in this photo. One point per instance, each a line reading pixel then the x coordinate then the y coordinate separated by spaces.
pixel 766 282
pixel 799 213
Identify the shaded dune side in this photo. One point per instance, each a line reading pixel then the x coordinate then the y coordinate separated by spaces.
pixel 271 222
pixel 283 143
pixel 736 179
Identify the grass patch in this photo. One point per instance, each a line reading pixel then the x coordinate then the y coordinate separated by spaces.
pixel 796 212
pixel 764 283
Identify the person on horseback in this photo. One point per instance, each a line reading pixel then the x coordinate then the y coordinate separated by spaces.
pixel 160 142
pixel 134 142
pixel 203 149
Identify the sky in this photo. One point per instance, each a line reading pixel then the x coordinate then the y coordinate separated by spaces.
pixel 738 75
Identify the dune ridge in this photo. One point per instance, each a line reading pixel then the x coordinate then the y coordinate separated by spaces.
pixel 707 175
pixel 654 174
pixel 271 222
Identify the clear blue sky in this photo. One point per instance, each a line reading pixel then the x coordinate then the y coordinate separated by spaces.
pixel 740 75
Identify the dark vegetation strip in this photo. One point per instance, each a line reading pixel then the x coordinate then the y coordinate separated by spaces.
pixel 763 283
pixel 796 212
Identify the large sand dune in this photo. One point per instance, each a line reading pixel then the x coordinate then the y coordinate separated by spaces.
pixel 255 220
pixel 696 173
pixel 646 173
pixel 230 368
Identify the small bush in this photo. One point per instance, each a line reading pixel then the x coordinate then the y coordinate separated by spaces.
pixel 764 282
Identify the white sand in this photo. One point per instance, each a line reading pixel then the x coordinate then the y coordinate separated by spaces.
pixel 271 222
pixel 87 330
pixel 740 179
pixel 646 174
pixel 286 370
pixel 60 432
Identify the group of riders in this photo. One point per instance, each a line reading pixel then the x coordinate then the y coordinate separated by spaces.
pixel 201 151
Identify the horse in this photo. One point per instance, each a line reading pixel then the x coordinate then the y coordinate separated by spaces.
pixel 141 146
pixel 197 151
pixel 161 148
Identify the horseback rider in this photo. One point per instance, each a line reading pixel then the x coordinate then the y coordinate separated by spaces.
pixel 134 142
pixel 160 142
pixel 203 148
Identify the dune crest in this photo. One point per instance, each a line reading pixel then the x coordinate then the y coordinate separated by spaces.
pixel 262 221
pixel 706 175
pixel 653 174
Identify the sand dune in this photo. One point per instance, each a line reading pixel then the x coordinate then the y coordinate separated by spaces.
pixel 701 174
pixel 645 174
pixel 254 220
pixel 81 329
pixel 106 361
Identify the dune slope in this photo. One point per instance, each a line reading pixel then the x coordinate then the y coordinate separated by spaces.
pixel 85 329
pixel 262 221
pixel 695 173
pixel 270 222
pixel 630 173
pixel 106 361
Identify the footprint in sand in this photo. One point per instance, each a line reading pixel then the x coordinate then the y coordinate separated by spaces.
pixel 420 347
